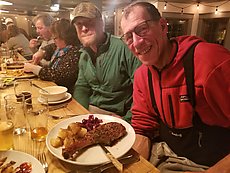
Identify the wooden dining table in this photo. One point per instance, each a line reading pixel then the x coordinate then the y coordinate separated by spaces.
pixel 25 144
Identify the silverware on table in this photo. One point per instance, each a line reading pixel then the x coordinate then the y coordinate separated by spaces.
pixel 42 159
pixel 114 161
pixel 125 160
pixel 59 106
pixel 57 117
pixel 40 88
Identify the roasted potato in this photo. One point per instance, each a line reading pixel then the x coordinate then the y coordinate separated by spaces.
pixel 74 127
pixel 56 142
pixel 63 133
pixel 82 132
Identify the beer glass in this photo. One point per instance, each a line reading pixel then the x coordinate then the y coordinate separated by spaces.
pixel 37 111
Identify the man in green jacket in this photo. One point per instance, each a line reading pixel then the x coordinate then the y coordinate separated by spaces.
pixel 106 66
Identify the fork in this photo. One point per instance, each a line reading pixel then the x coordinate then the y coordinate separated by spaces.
pixel 42 159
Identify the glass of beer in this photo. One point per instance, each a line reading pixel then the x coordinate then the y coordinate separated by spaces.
pixel 6 135
pixel 6 130
pixel 37 111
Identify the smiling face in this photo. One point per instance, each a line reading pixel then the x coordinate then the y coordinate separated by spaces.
pixel 148 37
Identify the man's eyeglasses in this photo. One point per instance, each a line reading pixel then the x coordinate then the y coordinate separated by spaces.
pixel 139 30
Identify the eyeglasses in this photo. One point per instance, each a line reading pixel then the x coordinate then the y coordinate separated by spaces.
pixel 139 30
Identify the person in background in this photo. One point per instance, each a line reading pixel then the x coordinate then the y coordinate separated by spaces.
pixel 63 68
pixel 183 136
pixel 3 35
pixel 106 66
pixel 42 23
pixel 17 40
pixel 10 21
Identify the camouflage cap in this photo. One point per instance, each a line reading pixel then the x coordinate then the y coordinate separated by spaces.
pixel 86 9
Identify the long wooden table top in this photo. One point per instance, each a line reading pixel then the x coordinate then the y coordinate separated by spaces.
pixel 25 144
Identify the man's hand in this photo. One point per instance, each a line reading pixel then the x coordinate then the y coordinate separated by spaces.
pixel 34 43
pixel 142 146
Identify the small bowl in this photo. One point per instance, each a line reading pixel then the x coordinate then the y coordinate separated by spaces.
pixel 54 93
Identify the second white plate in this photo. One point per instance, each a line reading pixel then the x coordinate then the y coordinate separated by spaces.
pixel 21 157
pixel 68 96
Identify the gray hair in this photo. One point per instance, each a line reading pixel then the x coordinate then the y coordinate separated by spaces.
pixel 150 8
pixel 46 18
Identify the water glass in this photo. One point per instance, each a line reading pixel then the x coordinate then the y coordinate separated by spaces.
pixel 36 110
pixel 15 112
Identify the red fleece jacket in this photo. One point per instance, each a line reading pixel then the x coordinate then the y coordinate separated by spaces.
pixel 212 87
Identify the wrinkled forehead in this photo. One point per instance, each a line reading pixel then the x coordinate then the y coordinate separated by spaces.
pixel 81 20
pixel 133 17
pixel 39 24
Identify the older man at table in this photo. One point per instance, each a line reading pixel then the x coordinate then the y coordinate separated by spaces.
pixel 106 66
pixel 180 112
pixel 42 23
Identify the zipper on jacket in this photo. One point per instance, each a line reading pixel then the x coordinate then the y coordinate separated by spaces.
pixel 171 110
pixel 162 107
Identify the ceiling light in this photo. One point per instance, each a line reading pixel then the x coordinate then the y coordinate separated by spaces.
pixel 55 7
pixel 5 3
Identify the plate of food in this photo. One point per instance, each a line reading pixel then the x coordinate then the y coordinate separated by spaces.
pixel 4 82
pixel 15 64
pixel 17 74
pixel 90 131
pixel 12 161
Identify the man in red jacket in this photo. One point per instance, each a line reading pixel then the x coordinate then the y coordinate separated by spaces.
pixel 183 135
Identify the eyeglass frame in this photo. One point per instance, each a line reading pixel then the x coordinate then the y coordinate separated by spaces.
pixel 137 33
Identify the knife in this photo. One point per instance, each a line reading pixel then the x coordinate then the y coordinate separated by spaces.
pixel 114 161
pixel 40 88
pixel 55 107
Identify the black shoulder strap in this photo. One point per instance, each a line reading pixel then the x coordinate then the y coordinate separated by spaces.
pixel 188 61
pixel 154 105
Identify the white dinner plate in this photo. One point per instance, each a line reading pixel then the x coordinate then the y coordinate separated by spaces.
pixel 67 97
pixel 93 155
pixel 21 157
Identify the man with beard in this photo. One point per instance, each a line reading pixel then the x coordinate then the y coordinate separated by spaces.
pixel 106 66
pixel 181 97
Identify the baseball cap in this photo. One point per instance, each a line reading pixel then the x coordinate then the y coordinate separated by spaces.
pixel 86 9
pixel 8 20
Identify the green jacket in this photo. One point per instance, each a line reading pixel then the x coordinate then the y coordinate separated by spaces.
pixel 105 79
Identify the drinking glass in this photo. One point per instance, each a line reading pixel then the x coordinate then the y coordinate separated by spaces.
pixel 15 112
pixel 37 111
pixel 23 87
pixel 6 130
